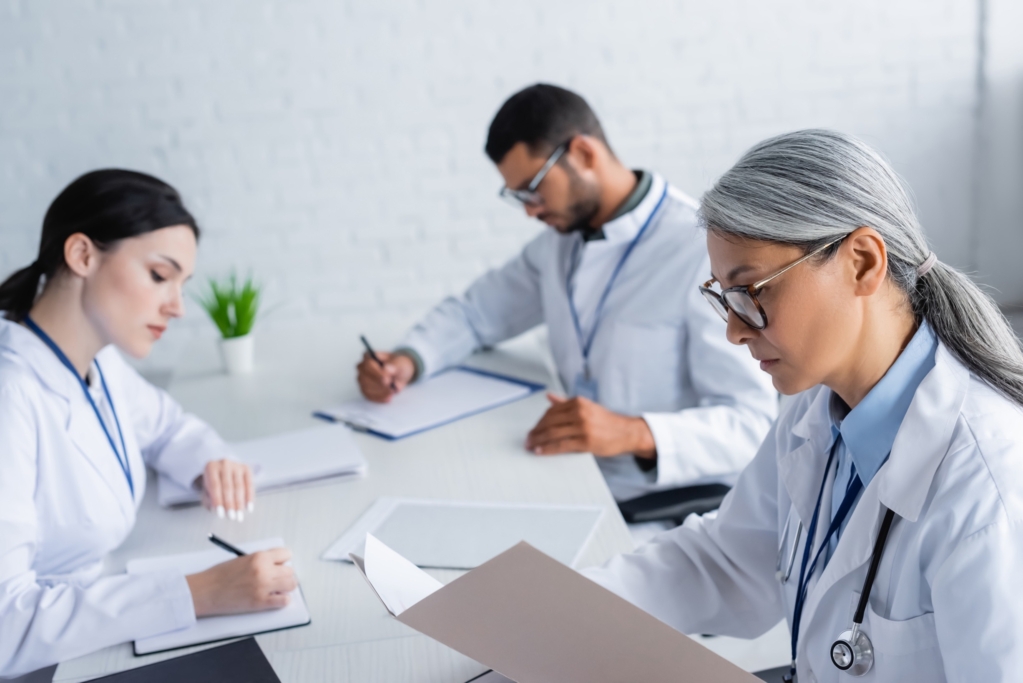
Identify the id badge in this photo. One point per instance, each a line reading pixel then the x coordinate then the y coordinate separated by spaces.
pixel 585 386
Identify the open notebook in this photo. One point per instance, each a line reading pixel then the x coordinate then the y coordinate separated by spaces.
pixel 286 459
pixel 213 629
pixel 449 396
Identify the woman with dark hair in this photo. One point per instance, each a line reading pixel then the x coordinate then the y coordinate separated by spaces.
pixel 78 426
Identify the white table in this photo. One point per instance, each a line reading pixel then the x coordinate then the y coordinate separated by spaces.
pixel 351 638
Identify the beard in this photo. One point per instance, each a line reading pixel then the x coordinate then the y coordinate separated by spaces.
pixel 585 204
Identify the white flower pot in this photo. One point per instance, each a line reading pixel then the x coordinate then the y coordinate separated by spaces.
pixel 238 354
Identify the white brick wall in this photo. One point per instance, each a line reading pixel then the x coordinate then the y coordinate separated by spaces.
pixel 335 148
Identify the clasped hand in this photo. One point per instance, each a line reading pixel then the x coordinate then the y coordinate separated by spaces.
pixel 579 425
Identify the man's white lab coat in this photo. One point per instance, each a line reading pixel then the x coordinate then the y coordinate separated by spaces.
pixel 659 351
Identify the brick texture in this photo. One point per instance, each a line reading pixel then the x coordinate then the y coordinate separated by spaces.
pixel 334 148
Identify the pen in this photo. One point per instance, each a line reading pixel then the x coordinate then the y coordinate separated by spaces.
pixel 376 358
pixel 225 545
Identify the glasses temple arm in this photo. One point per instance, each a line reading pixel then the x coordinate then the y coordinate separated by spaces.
pixel 546 167
pixel 758 285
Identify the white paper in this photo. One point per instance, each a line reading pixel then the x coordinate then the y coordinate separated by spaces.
pixel 399 583
pixel 285 459
pixel 443 398
pixel 209 629
pixel 464 534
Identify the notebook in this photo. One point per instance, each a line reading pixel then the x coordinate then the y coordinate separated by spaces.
pixel 444 398
pixel 239 662
pixel 214 629
pixel 286 459
pixel 463 534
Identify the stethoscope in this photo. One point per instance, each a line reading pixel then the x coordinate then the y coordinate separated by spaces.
pixel 852 652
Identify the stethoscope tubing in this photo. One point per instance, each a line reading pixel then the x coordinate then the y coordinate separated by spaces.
pixel 875 562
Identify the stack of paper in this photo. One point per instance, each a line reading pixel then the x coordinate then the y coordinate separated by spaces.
pixel 440 400
pixel 213 629
pixel 286 459
pixel 535 620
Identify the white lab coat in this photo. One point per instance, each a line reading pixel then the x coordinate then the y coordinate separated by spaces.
pixel 946 603
pixel 65 504
pixel 660 350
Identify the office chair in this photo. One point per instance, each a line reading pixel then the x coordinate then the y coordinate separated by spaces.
pixel 673 505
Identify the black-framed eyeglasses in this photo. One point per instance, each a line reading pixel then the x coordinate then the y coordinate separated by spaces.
pixel 742 300
pixel 529 196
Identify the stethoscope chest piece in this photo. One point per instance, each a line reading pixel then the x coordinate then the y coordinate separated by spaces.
pixel 853 652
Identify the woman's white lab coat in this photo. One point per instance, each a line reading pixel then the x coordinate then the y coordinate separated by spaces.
pixel 946 604
pixel 65 504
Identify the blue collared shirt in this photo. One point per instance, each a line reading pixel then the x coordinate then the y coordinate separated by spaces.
pixel 866 433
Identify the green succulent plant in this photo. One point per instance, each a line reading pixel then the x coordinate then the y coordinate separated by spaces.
pixel 232 308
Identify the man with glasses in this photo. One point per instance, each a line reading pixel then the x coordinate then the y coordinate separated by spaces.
pixel 656 392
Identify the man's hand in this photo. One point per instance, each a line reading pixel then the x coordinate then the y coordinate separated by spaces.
pixel 578 425
pixel 375 381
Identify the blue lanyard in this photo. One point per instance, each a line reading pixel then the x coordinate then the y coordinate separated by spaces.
pixel 586 344
pixel 122 461
pixel 851 491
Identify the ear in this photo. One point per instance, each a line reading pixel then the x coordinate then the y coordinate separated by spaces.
pixel 80 254
pixel 585 152
pixel 867 257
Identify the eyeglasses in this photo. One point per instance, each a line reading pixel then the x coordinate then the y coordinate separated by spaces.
pixel 742 300
pixel 529 196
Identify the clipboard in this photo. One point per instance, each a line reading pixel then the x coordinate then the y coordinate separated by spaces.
pixel 449 396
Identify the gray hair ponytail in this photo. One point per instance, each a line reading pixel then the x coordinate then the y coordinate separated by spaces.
pixel 813 186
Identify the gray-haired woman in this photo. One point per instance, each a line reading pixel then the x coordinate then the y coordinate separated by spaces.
pixel 883 516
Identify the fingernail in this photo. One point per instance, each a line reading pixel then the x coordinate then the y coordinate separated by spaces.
pixel 220 511
pixel 252 506
pixel 231 515
pixel 241 516
pixel 538 451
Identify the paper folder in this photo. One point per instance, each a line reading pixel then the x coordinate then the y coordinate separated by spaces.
pixel 535 620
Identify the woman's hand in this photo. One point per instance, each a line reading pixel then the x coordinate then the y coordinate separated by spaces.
pixel 227 487
pixel 250 583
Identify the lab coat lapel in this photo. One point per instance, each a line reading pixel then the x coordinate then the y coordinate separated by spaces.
pixel 87 435
pixel 82 427
pixel 561 327
pixel 903 482
pixel 924 437
pixel 802 468
pixel 851 553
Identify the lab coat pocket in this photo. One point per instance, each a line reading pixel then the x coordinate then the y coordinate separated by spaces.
pixel 644 368
pixel 903 650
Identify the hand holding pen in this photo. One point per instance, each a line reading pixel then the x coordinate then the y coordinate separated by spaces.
pixel 246 583
pixel 381 375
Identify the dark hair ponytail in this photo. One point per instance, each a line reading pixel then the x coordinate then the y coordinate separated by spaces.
pixel 105 206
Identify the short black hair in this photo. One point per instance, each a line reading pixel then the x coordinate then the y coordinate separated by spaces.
pixel 543 116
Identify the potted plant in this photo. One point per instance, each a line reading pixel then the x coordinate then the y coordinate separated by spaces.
pixel 233 309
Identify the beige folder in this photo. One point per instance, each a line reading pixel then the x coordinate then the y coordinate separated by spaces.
pixel 537 621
